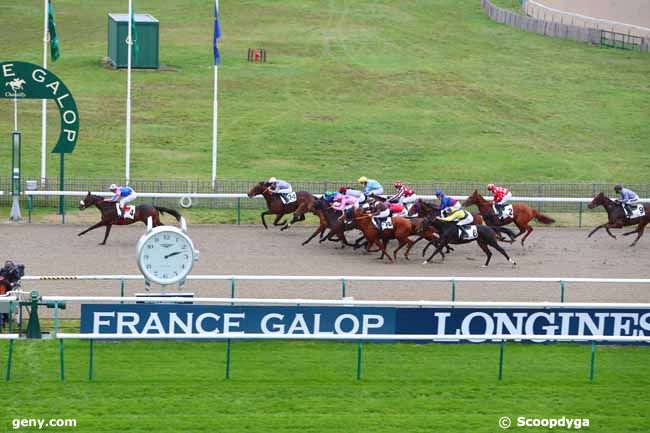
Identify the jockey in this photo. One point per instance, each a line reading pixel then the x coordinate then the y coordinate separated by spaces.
pixel 359 195
pixel 330 196
pixel 501 197
pixel 404 195
pixel 380 214
pixel 448 205
pixel 124 194
pixel 344 202
pixel 280 187
pixel 628 197
pixel 461 216
pixel 371 186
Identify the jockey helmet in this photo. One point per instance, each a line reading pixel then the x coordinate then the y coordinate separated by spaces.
pixel 343 189
pixel 113 187
pixel 272 180
pixel 490 186
pixel 397 184
pixel 618 187
pixel 440 193
pixel 363 179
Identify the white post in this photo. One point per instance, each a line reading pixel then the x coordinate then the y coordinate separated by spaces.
pixel 15 114
pixel 129 42
pixel 215 111
pixel 44 101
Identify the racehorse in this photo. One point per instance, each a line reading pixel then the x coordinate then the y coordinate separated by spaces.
pixel 401 231
pixel 521 215
pixel 275 206
pixel 109 214
pixel 617 219
pixel 429 210
pixel 486 236
pixel 332 219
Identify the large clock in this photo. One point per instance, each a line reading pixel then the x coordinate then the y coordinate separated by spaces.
pixel 166 254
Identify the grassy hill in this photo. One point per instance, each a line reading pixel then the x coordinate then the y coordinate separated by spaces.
pixel 413 90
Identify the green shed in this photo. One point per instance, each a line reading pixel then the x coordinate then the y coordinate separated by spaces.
pixel 148 40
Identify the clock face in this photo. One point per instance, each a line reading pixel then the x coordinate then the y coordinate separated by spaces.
pixel 166 257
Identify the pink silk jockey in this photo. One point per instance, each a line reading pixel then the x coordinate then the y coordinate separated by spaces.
pixel 343 201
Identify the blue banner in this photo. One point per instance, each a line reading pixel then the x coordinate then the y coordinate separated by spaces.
pixel 177 319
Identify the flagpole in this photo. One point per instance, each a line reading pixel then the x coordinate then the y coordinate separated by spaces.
pixel 129 42
pixel 44 101
pixel 215 112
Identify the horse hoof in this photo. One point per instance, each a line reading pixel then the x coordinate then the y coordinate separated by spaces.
pixel 484 266
pixel 425 262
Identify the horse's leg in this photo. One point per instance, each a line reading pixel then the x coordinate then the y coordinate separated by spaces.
pixel 596 229
pixel 278 218
pixel 266 212
pixel 529 230
pixel 108 230
pixel 99 224
pixel 487 252
pixel 319 229
pixel 293 221
pixel 383 244
pixel 438 250
pixel 639 230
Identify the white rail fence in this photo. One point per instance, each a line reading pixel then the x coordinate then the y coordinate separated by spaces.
pixel 345 280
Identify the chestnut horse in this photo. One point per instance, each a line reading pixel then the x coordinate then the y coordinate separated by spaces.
pixel 275 206
pixel 617 219
pixel 402 229
pixel 109 214
pixel 521 215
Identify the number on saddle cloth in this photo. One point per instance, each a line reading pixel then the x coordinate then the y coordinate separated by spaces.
pixel 128 213
pixel 635 211
pixel 387 225
pixel 507 212
pixel 289 198
pixel 468 233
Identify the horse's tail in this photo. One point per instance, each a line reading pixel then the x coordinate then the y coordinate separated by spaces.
pixel 505 230
pixel 172 212
pixel 542 218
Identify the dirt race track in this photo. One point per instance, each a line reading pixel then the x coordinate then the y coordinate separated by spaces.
pixel 227 249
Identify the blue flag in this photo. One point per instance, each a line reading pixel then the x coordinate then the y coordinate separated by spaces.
pixel 217 35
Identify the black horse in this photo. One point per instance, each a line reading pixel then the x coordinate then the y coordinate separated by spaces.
pixel 330 219
pixel 110 217
pixel 486 236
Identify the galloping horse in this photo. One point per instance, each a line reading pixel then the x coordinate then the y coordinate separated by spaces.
pixel 329 219
pixel 304 203
pixel 429 210
pixel 401 231
pixel 521 215
pixel 109 214
pixel 486 236
pixel 617 219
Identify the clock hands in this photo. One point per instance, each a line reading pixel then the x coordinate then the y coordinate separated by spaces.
pixel 173 254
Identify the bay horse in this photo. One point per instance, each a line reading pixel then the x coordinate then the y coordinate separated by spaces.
pixel 616 218
pixel 429 210
pixel 329 219
pixel 487 236
pixel 401 231
pixel 109 216
pixel 521 215
pixel 275 206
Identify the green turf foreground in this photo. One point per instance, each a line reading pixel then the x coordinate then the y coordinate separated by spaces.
pixel 312 387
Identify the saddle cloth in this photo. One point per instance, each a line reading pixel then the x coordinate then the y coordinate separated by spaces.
pixel 289 198
pixel 129 212
pixel 507 212
pixel 637 211
pixel 468 233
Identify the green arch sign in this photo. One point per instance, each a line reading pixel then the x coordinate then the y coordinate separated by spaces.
pixel 22 80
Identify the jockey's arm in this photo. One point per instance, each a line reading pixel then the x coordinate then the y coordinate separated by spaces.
pixel 114 198
pixel 453 217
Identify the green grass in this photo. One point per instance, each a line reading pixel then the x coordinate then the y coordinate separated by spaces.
pixel 413 90
pixel 513 5
pixel 312 387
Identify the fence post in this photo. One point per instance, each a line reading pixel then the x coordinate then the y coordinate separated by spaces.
pixel 593 361
pixel 228 360
pixel 30 205
pixel 61 357
pixel 561 291
pixel 232 287
pixel 238 210
pixel 359 347
pixel 343 288
pixel 121 289
pixel 9 356
pixel 90 360
pixel 501 344
pixel 453 290
pixel 56 317
pixel 580 215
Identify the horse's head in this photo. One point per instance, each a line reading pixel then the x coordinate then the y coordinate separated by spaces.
pixel 600 200
pixel 473 199
pixel 88 201
pixel 258 189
